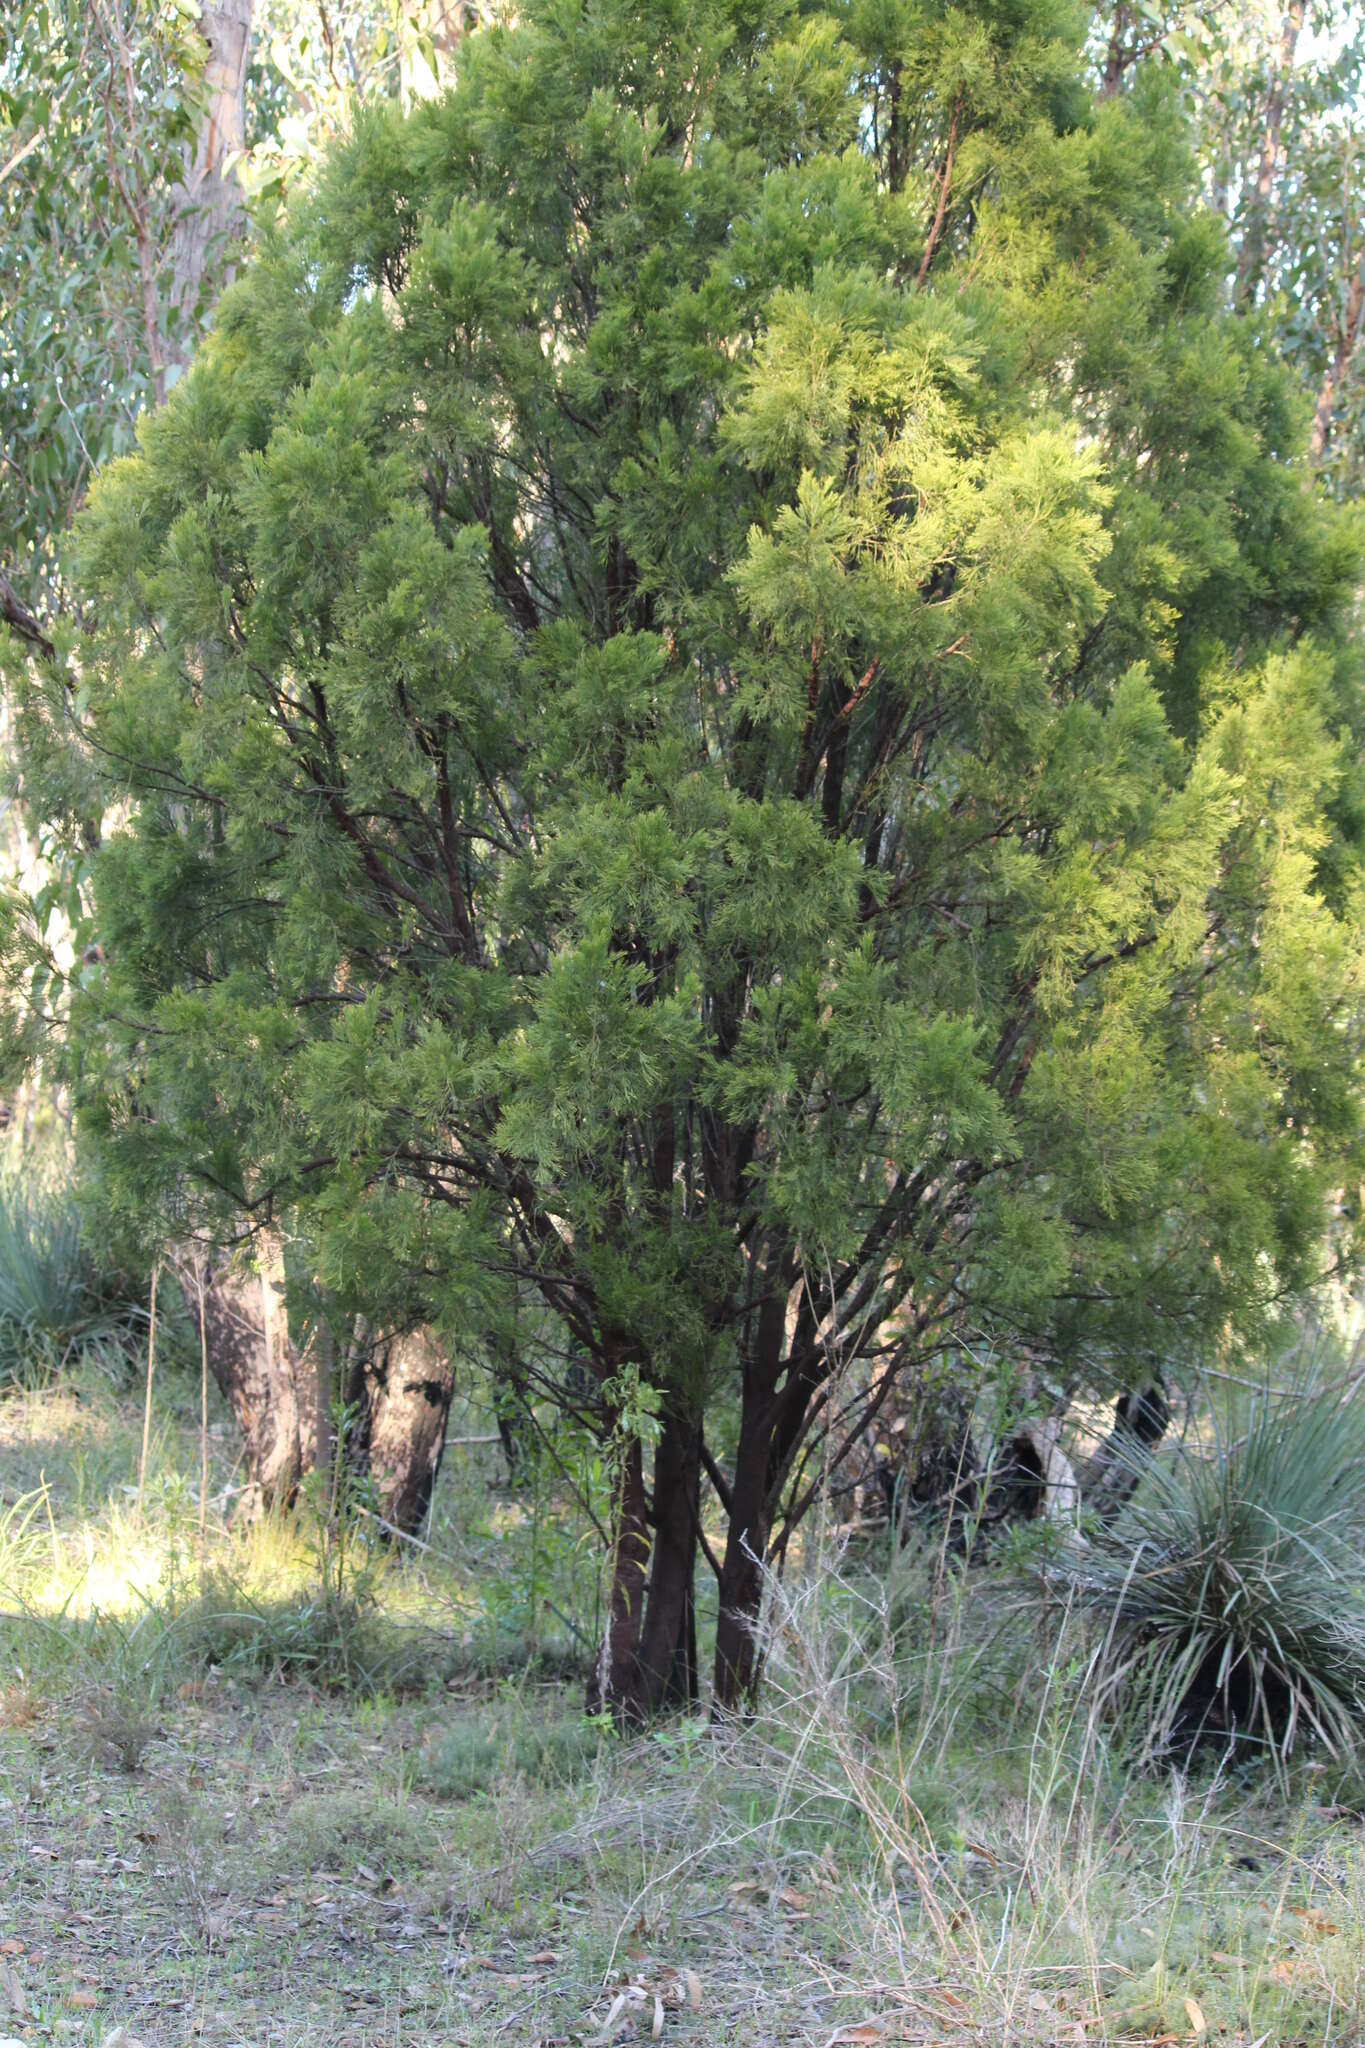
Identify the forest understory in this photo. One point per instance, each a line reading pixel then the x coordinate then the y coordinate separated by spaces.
pixel 247 1800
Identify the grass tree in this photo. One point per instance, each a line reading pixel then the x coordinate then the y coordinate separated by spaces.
pixel 732 717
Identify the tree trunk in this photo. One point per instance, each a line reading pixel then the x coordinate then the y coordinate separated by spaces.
pixel 667 1674
pixel 1111 1474
pixel 431 35
pixel 1251 257
pixel 253 1364
pixel 208 205
pixel 1347 337
pixel 399 1386
pixel 1032 1479
pixel 771 1425
pixel 735 1684
pixel 1116 56
pixel 614 1685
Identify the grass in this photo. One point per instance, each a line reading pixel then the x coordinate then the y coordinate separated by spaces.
pixel 232 1811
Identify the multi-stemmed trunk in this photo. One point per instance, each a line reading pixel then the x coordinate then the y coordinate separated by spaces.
pixel 647 1659
pixel 741 1573
pixel 668 1639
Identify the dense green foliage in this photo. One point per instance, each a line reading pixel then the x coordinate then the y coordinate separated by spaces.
pixel 731 715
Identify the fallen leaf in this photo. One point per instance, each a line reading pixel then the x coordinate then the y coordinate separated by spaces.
pixel 866 2031
pixel 609 2024
pixel 796 1902
pixel 547 1955
pixel 11 1946
pixel 657 2025
pixel 1318 1923
pixel 1195 2014
pixel 693 1983
pixel 86 2001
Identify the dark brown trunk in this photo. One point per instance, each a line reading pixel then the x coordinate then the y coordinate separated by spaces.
pixel 398 1389
pixel 1111 1475
pixel 735 1685
pixel 614 1684
pixel 769 1428
pixel 668 1641
pixel 1116 56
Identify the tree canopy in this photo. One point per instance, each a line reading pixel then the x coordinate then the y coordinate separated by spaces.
pixel 729 711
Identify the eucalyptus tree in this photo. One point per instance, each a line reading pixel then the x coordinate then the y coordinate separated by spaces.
pixel 1275 89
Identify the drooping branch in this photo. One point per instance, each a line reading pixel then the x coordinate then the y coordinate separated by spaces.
pixel 22 621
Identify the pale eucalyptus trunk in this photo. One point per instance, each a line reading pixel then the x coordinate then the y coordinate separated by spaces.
pixel 432 33
pixel 398 1390
pixel 209 211
pixel 246 1335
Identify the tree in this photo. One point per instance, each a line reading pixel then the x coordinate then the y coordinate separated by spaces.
pixel 732 716
pixel 1275 93
pixel 208 208
pixel 282 1384
pixel 125 158
pixel 98 104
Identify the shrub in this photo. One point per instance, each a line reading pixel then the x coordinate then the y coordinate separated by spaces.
pixel 55 1298
pixel 473 1755
pixel 1232 1586
pixel 336 1830
pixel 47 1303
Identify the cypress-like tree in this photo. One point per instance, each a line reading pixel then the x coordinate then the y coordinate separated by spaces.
pixel 731 715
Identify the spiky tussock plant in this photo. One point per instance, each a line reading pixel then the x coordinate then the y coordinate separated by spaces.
pixel 45 1296
pixel 55 1300
pixel 1232 1586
